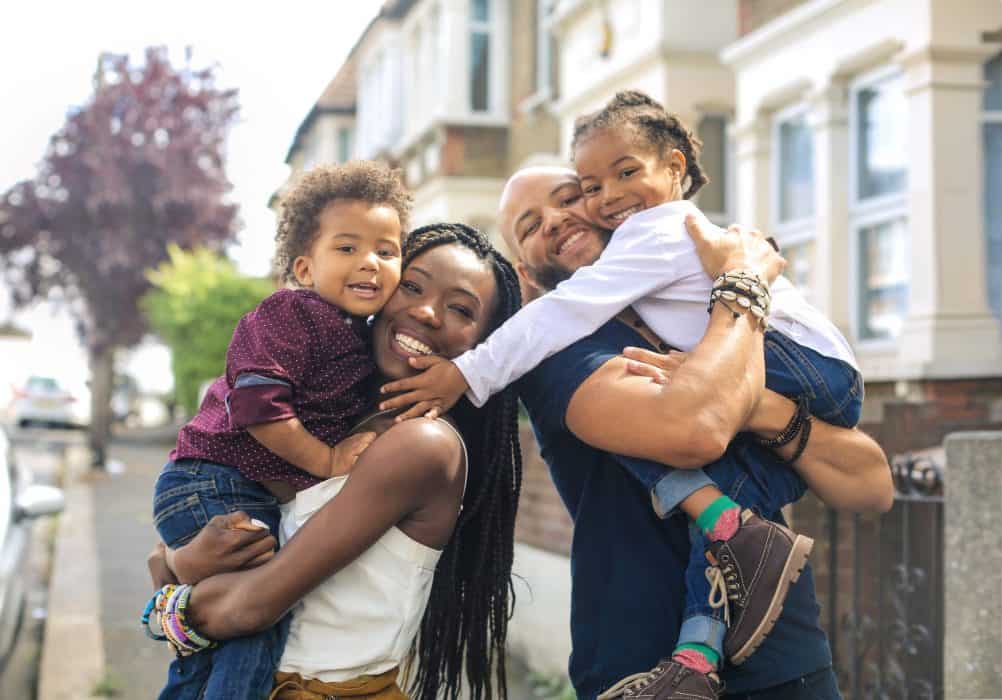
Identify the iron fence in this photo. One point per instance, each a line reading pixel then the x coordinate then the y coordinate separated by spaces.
pixel 886 630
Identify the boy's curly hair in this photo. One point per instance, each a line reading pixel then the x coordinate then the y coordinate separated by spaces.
pixel 361 180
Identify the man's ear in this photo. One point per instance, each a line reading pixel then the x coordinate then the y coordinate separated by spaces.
pixel 530 290
pixel 303 270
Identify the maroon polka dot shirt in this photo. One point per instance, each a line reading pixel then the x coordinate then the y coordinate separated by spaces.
pixel 294 355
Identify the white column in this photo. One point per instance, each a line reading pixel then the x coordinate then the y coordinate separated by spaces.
pixel 753 142
pixel 949 331
pixel 828 117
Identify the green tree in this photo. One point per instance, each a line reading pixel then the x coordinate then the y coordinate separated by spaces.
pixel 197 298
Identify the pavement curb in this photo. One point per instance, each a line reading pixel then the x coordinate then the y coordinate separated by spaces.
pixel 73 648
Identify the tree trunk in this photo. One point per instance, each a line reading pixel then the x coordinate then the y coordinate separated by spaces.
pixel 102 370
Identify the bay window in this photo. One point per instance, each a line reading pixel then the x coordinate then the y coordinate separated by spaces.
pixel 878 209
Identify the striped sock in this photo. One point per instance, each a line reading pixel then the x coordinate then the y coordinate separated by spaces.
pixel 698 657
pixel 719 521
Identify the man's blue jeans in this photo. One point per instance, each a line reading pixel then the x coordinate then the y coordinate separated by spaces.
pixel 188 494
pixel 751 475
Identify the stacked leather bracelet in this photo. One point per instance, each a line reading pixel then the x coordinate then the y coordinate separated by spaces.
pixel 799 428
pixel 747 290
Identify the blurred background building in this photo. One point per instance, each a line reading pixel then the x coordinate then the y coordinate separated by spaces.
pixel 866 135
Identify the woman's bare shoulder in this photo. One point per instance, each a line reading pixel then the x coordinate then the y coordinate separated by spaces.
pixel 428 449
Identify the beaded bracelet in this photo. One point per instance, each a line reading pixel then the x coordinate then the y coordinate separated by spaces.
pixel 747 289
pixel 792 429
pixel 168 606
pixel 805 435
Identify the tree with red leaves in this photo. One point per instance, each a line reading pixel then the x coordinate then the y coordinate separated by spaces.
pixel 138 167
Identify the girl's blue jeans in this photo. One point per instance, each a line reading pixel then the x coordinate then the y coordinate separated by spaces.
pixel 749 474
pixel 189 492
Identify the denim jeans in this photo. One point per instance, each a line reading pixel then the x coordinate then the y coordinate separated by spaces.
pixel 820 685
pixel 748 474
pixel 189 492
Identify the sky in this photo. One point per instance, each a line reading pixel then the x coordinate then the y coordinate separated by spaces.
pixel 279 55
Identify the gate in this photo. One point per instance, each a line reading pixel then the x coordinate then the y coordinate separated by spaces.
pixel 884 613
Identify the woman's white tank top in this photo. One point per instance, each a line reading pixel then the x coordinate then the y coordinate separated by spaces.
pixel 364 618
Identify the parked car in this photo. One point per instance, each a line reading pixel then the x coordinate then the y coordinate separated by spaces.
pixel 20 503
pixel 44 401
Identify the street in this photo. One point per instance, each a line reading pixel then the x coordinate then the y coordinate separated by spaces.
pixel 41 451
pixel 133 666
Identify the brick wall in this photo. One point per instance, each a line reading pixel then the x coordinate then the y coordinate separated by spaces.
pixel 475 151
pixel 542 520
pixel 535 130
pixel 752 14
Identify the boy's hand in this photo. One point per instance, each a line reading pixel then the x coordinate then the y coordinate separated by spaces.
pixel 345 453
pixel 429 394
pixel 156 562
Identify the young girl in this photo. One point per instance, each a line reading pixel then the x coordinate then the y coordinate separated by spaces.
pixel 297 379
pixel 638 164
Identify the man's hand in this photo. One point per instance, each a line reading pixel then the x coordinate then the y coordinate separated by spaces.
pixel 345 453
pixel 738 247
pixel 429 394
pixel 659 367
pixel 227 543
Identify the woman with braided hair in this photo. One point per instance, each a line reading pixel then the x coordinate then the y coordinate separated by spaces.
pixel 407 560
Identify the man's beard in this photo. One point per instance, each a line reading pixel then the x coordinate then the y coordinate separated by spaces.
pixel 548 276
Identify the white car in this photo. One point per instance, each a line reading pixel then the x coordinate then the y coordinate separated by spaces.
pixel 20 503
pixel 44 401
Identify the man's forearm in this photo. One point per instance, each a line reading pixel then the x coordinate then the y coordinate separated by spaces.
pixel 722 378
pixel 291 441
pixel 845 467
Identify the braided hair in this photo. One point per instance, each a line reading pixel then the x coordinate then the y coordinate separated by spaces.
pixel 466 621
pixel 659 129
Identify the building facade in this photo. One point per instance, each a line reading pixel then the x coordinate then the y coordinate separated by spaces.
pixel 868 141
pixel 866 135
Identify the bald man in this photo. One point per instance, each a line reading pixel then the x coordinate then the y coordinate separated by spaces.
pixel 606 431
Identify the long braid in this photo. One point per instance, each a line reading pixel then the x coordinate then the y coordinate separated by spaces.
pixel 661 130
pixel 466 622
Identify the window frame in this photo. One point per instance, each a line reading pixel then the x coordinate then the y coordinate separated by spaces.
pixel 988 116
pixel 725 217
pixel 794 232
pixel 486 28
pixel 872 211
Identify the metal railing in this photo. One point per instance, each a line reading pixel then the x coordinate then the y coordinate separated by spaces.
pixel 886 630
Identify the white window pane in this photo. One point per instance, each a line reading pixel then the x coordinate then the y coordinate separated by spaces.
pixel 479 72
pixel 881 123
pixel 993 92
pixel 884 277
pixel 713 133
pixel 480 10
pixel 993 212
pixel 796 170
pixel 343 144
pixel 799 263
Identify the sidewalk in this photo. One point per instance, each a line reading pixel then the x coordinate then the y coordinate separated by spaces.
pixel 93 643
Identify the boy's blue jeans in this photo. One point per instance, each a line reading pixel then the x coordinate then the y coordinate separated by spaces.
pixel 189 492
pixel 751 475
